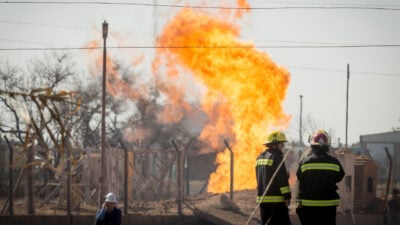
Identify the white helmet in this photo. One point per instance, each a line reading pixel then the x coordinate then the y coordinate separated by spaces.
pixel 110 197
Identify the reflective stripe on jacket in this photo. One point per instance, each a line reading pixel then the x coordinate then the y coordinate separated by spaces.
pixel 306 202
pixel 320 166
pixel 317 176
pixel 270 199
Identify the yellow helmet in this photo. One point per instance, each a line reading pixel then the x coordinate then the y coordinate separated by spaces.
pixel 276 136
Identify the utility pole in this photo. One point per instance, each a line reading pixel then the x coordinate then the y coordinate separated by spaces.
pixel 179 177
pixel 103 174
pixel 186 167
pixel 29 188
pixel 347 104
pixel 232 173
pixel 301 121
pixel 11 181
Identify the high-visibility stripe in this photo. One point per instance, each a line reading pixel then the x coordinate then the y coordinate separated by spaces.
pixel 264 162
pixel 306 202
pixel 285 189
pixel 320 166
pixel 270 199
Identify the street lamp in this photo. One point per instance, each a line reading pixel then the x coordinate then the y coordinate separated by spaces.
pixel 301 121
pixel 105 30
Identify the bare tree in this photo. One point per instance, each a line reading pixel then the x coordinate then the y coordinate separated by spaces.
pixel 310 125
pixel 88 128
pixel 10 121
pixel 57 69
pixel 37 112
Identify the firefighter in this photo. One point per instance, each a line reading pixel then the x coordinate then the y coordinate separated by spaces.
pixel 274 205
pixel 317 176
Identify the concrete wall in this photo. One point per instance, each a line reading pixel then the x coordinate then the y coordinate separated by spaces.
pixel 89 220
pixel 163 220
pixel 347 219
pixel 363 219
pixel 346 186
pixel 396 163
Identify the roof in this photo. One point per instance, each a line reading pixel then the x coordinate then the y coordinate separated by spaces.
pixel 387 137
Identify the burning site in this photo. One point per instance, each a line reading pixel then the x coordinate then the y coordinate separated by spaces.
pixel 211 86
pixel 175 143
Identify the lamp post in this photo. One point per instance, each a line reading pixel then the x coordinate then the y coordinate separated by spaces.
pixel 301 121
pixel 347 104
pixel 103 123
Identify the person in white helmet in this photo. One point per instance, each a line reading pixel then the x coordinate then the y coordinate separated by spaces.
pixel 109 214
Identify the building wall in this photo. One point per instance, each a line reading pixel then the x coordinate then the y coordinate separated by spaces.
pixel 359 183
pixel 396 163
pixel 358 187
pixel 372 180
pixel 346 186
pixel 365 182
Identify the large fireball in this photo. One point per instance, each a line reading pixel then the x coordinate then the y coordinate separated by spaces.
pixel 243 89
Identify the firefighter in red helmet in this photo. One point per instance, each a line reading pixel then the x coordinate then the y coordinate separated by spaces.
pixel 317 176
pixel 274 204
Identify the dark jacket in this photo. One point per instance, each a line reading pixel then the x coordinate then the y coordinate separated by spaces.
pixel 266 164
pixel 317 176
pixel 108 218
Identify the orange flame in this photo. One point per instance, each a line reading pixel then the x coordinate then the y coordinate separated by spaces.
pixel 244 89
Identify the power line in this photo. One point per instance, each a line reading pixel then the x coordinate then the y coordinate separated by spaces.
pixel 342 71
pixel 315 69
pixel 26 42
pixel 298 42
pixel 208 47
pixel 49 49
pixel 331 3
pixel 204 7
pixel 41 24
pixel 150 47
pixel 381 74
pixel 215 47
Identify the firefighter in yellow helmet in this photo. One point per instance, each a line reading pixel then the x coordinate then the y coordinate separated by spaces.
pixel 274 205
pixel 317 176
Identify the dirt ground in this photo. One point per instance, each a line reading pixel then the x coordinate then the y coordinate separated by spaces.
pixel 243 201
pixel 216 208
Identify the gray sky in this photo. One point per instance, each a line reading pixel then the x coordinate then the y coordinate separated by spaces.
pixel 319 74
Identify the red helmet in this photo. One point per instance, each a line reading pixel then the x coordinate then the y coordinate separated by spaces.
pixel 320 138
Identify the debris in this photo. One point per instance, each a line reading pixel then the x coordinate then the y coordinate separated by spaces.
pixel 227 204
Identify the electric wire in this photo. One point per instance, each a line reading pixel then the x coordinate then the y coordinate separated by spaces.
pixel 295 2
pixel 26 42
pixel 205 47
pixel 217 47
pixel 42 24
pixel 202 7
pixel 342 71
